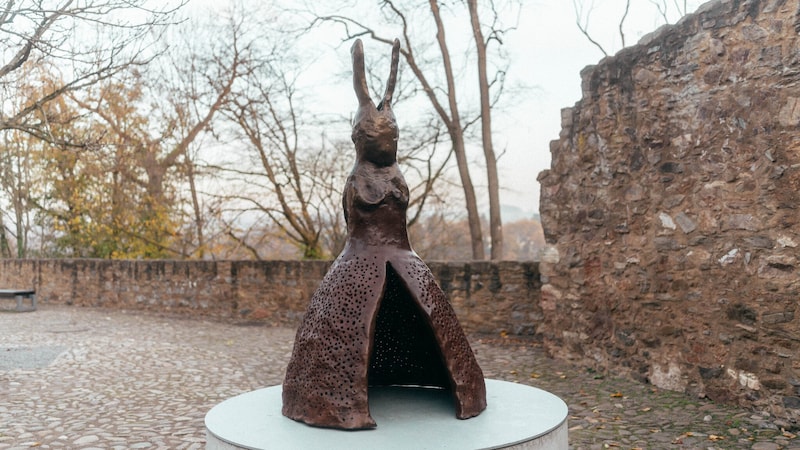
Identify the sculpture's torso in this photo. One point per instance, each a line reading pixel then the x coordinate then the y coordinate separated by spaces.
pixel 375 202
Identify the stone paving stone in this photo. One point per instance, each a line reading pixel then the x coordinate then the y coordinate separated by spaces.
pixel 138 380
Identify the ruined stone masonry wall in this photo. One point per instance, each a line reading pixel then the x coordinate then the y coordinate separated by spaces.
pixel 487 297
pixel 671 210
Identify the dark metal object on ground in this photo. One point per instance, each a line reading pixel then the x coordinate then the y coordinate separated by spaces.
pixel 378 318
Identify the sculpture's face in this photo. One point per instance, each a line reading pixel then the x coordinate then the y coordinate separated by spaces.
pixel 375 135
pixel 375 130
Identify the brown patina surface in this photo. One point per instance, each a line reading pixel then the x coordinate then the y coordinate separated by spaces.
pixel 378 317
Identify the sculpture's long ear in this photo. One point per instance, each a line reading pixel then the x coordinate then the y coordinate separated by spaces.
pixel 387 96
pixel 359 74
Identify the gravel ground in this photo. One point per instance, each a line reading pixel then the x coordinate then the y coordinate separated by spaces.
pixel 80 378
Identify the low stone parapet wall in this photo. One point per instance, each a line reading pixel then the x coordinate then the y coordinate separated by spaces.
pixel 487 297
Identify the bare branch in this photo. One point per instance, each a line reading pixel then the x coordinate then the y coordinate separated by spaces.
pixel 38 33
pixel 622 21
pixel 582 21
pixel 662 9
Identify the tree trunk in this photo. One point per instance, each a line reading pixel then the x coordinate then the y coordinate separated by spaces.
pixel 5 252
pixel 495 221
pixel 21 228
pixel 457 137
pixel 198 213
pixel 474 218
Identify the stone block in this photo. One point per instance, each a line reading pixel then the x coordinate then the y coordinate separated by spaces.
pixel 789 115
pixel 786 241
pixel 708 373
pixel 671 167
pixel 791 402
pixel 746 222
pixel 778 317
pixel 759 241
pixel 666 221
pixel 551 297
pixel 665 243
pixel 685 222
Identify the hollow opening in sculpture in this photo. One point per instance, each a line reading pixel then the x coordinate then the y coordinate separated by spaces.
pixel 404 350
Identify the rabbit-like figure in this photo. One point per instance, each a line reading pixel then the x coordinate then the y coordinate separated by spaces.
pixel 378 318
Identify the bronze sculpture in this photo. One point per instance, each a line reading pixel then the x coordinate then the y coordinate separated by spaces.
pixel 378 318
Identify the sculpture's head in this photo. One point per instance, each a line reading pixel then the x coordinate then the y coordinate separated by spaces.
pixel 375 131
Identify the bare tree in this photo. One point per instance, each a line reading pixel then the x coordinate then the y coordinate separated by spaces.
pixel 5 250
pixel 123 154
pixel 181 103
pixel 296 181
pixel 198 82
pixel 75 44
pixel 444 98
pixel 287 184
pixel 16 183
pixel 85 41
pixel 495 221
pixel 26 158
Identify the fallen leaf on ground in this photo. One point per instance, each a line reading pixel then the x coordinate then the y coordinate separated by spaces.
pixel 679 439
pixel 616 395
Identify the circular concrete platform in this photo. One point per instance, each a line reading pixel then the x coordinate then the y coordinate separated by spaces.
pixel 517 417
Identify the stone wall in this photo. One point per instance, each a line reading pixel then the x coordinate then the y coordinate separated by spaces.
pixel 487 297
pixel 671 210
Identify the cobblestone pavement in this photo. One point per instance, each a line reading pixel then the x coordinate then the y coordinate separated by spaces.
pixel 79 378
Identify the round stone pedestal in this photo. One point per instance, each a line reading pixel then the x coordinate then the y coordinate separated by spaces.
pixel 517 417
